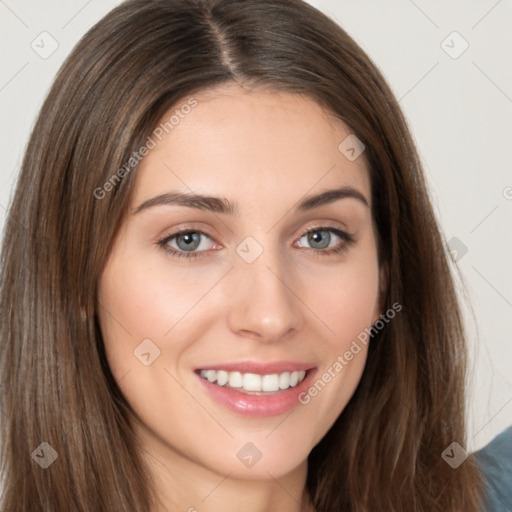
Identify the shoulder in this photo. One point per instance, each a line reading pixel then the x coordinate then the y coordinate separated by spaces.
pixel 495 463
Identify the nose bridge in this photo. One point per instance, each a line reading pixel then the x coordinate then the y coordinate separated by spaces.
pixel 263 305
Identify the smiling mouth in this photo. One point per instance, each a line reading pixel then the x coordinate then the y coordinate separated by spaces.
pixel 253 383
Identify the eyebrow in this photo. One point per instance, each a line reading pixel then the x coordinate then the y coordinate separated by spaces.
pixel 223 205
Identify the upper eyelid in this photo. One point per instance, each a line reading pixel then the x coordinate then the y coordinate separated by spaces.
pixel 181 231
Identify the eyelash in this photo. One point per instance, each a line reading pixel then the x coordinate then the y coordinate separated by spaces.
pixel 348 240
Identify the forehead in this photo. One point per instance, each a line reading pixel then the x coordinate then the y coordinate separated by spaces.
pixel 258 146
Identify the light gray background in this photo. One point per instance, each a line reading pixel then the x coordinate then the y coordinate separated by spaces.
pixel 459 108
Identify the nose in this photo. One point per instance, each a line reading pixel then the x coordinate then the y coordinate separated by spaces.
pixel 264 303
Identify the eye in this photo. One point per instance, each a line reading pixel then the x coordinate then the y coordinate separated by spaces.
pixel 189 243
pixel 186 243
pixel 325 240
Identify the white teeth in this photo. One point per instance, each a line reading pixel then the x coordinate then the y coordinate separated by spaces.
pixel 222 377
pixel 254 382
pixel 284 380
pixel 251 382
pixel 235 379
pixel 270 382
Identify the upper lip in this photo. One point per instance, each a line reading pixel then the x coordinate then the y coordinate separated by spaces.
pixel 259 368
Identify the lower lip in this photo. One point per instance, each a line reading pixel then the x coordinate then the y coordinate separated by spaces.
pixel 258 405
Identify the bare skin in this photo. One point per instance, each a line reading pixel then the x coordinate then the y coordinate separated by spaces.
pixel 300 300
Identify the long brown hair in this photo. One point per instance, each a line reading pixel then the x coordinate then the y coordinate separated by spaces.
pixel 384 451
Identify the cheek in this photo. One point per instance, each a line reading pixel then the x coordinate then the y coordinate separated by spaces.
pixel 345 298
pixel 148 299
pixel 141 299
pixel 347 303
pixel 145 309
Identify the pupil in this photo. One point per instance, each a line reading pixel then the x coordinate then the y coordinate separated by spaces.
pixel 188 241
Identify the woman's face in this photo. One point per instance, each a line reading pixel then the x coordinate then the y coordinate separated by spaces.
pixel 272 279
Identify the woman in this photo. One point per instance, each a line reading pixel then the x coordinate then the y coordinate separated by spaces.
pixel 223 284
